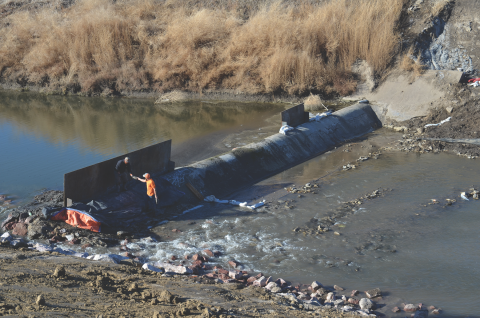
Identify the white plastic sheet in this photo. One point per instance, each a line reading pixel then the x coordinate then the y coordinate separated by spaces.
pixel 212 198
pixel 319 116
pixel 440 123
pixel 284 129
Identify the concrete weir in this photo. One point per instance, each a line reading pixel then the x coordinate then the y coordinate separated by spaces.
pixel 224 174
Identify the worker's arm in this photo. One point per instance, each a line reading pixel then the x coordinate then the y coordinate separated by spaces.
pixel 117 166
pixel 140 179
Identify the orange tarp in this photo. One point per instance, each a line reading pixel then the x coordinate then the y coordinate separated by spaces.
pixel 78 219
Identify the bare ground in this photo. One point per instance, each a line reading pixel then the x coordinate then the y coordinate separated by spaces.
pixel 72 287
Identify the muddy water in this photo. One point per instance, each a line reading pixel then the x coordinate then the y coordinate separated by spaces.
pixel 412 250
pixel 43 137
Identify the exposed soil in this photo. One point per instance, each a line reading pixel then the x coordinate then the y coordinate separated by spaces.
pixel 64 286
pixel 461 103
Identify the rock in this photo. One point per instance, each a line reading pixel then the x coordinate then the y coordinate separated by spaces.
pixel 330 297
pixel 40 300
pixel 69 237
pixel 338 302
pixel 122 233
pixel 233 263
pixel 86 245
pixel 20 229
pixel 235 275
pixel 396 309
pixel 431 307
pixel 373 293
pixel 410 308
pixel 353 301
pixel 262 282
pixel 436 312
pixel 354 293
pixel 366 303
pixel 174 268
pixel 449 109
pixel 59 271
pixel 421 314
pixel 338 288
pixel 250 280
pixel 209 253
pixel 316 285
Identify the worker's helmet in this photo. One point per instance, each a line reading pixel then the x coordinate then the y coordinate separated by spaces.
pixel 146 176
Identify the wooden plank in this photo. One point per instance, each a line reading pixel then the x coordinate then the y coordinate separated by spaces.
pixel 194 191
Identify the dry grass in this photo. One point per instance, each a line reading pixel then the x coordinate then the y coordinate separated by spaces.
pixel 411 65
pixel 252 46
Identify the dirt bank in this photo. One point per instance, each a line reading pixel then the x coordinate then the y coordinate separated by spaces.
pixel 461 105
pixel 72 287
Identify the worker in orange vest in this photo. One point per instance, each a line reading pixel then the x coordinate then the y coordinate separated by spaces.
pixel 151 192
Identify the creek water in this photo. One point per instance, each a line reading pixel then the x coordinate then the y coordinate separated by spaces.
pixel 43 137
pixel 412 250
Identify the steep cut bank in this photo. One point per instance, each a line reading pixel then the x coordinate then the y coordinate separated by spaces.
pixel 121 47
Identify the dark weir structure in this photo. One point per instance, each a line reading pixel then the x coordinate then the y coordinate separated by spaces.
pixel 90 182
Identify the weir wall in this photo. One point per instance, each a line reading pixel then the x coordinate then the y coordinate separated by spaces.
pixel 221 175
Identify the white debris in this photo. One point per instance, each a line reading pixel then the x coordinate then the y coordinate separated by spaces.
pixel 212 198
pixel 152 268
pixel 111 258
pixel 284 129
pixel 319 116
pixel 253 207
pixel 440 123
pixel 463 195
pixel 194 208
pixel 6 237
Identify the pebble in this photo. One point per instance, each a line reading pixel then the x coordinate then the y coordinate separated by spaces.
pixel 373 293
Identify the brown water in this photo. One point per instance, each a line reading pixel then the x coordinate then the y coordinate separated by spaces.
pixel 413 251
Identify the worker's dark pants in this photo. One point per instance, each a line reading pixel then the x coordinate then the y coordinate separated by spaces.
pixel 121 179
pixel 149 202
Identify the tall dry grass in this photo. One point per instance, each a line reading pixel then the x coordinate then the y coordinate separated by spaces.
pixel 250 46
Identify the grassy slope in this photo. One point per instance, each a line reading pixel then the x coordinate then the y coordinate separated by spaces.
pixel 137 45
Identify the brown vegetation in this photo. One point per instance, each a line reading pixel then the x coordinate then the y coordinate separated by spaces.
pixel 136 45
pixel 410 64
